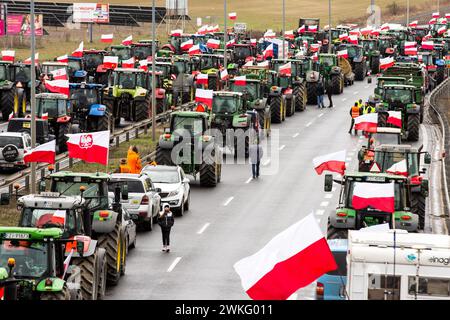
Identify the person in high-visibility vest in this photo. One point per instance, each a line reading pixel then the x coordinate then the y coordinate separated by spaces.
pixel 355 111
pixel 360 103
pixel 124 166
pixel 368 109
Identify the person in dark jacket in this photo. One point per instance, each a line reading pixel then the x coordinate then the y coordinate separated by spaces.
pixel 166 221
pixel 320 91
pixel 330 93
pixel 256 154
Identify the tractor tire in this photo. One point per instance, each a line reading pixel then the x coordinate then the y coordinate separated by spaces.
pixel 163 156
pixel 375 67
pixel 413 127
pixel 89 276
pixel 276 109
pixel 359 71
pixel 311 92
pixel 209 173
pixel 212 83
pixel 123 259
pixel 60 295
pixel 103 123
pixel 141 110
pixel 336 84
pixel 283 109
pixel 103 273
pixel 382 119
pixel 418 207
pixel 112 242
pixel 299 93
pixel 7 103
pixel 335 233
pixel 440 75
pixel 61 138
pixel 290 107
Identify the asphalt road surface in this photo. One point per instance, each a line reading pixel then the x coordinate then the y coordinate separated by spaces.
pixel 239 216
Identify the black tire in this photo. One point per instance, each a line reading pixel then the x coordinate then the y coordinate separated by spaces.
pixel 141 110
pixel 188 202
pixel 413 127
pixel 418 207
pixel 208 173
pixel 89 276
pixel 299 98
pixel 335 233
pixel 276 109
pixel 7 103
pixel 60 295
pixel 61 138
pixel 311 92
pixel 212 83
pixel 112 242
pixel 359 71
pixel 123 261
pixel 102 274
pixel 290 106
pixel 336 84
pixel 163 156
pixel 103 123
pixel 180 212
pixel 440 75
pixel 148 225
pixel 375 65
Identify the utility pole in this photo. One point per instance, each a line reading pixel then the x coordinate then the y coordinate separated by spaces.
pixel 153 74
pixel 407 13
pixel 329 26
pixel 284 29
pixel 225 34
pixel 33 95
pixel 437 5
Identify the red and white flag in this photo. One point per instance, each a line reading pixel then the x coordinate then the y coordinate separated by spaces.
pixel 353 39
pixel 202 30
pixel 59 74
pixel 314 47
pixel 264 64
pixel 11 115
pixel 410 44
pixel 432 21
pixel 268 52
pixel 59 217
pixel 253 42
pixel 176 33
pixel 395 118
pixel 43 153
pixel 366 31
pixel 8 55
pixel 412 51
pixel 232 15
pixel 291 260
pixel 63 59
pixel 385 27
pixel 240 81
pixel 427 45
pixel 57 86
pixel 36 59
pixel 249 63
pixel 302 29
pixel 143 64
pixel 367 122
pixel 231 43
pixel 342 53
pixel 195 50
pixel 224 74
pixel 375 32
pixel 78 51
pixel 355 32
pixel 90 147
pixel 111 61
pixel 334 162
pixel 66 263
pixel 202 78
pixel 376 195
pixel 289 34
pixel 285 69
pixel 312 28
pixel 386 63
pixel 128 40
pixel 215 28
pixel 128 63
pixel 107 38
pixel 269 34
pixel 44 116
pixel 442 30
pixel 204 96
pixel 435 15
pixel 213 44
pixel 343 36
pixel 447 16
pixel 413 24
pixel 399 168
pixel 185 46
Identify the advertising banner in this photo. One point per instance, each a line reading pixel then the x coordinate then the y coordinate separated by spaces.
pixel 91 12
pixel 20 24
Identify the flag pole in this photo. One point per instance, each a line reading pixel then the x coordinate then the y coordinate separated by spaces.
pixel 153 75
pixel 33 96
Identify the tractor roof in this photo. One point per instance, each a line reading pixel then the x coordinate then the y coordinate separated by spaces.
pixel 227 94
pixel 74 58
pixel 5 62
pixel 397 148
pixel 86 85
pixel 374 176
pixel 119 46
pixel 389 130
pixel 390 78
pixel 190 114
pixel 129 70
pixel 399 86
pixel 49 95
pixel 70 174
pixel 54 63
pixel 29 233
pixel 94 51
pixel 50 200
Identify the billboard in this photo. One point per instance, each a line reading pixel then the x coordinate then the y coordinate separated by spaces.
pixel 20 24
pixel 91 13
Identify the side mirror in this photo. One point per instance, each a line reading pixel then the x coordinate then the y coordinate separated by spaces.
pixel 125 192
pixel 80 248
pixel 42 186
pixel 427 158
pixel 424 187
pixel 361 155
pixel 328 183
pixel 4 199
pixel 186 180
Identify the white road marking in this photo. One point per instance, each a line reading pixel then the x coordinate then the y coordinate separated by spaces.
pixel 266 163
pixel 324 203
pixel 249 179
pixel 282 147
pixel 320 115
pixel 203 228
pixel 174 263
pixel 318 221
pixel 328 196
pixel 320 212
pixel 348 158
pixel 228 201
pixel 344 99
pixel 351 153
pixel 295 135
pixel 309 123
pixel 366 87
pixel 356 92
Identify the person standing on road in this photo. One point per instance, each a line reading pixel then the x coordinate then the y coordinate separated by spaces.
pixel 134 160
pixel 256 154
pixel 166 221
pixel 368 108
pixel 355 111
pixel 320 91
pixel 329 90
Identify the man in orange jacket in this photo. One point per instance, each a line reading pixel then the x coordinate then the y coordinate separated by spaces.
pixel 133 159
pixel 124 166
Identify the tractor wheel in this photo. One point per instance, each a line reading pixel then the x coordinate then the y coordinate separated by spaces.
pixel 101 253
pixel 123 259
pixel 335 233
pixel 299 98
pixel 283 108
pixel 103 122
pixel 290 107
pixel 413 127
pixel 336 84
pixel 113 242
pixel 61 138
pixel 440 75
pixel 163 156
pixel 212 83
pixel 311 92
pixel 359 71
pixel 141 110
pixel 382 119
pixel 418 207
pixel 342 83
pixel 375 67
pixel 276 109
pixel 89 275
pixel 209 173
pixel 60 295
pixel 7 103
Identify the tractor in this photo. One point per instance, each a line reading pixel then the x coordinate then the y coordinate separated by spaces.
pixel 382 81
pixel 88 111
pixel 241 52
pixel 48 67
pixel 357 59
pixel 331 71
pixel 21 76
pixel 7 90
pixel 174 45
pixel 121 51
pixel 386 46
pixel 76 73
pixel 209 64
pixel 188 142
pixel 128 95
pixel 313 77
pixel 183 87
pixel 347 218
pixel 372 54
pixel 142 51
pixel 32 265
pixel 93 62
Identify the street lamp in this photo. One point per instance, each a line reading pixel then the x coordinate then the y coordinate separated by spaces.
pixel 153 75
pixel 225 34
pixel 284 29
pixel 329 26
pixel 33 95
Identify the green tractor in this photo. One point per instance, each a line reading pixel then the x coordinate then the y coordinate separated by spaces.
pixel 189 143
pixel 21 76
pixel 183 86
pixel 331 71
pixel 357 59
pixel 32 265
pixel 121 51
pixel 209 64
pixel 372 54
pixel 383 81
pixel 7 91
pixel 347 218
pixel 313 77
pixel 128 95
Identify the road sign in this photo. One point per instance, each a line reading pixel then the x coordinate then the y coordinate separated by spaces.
pixel 240 27
pixel 375 168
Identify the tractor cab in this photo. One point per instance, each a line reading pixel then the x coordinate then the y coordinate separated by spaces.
pixel 92 60
pixel 206 62
pixel 142 51
pixel 76 70
pixel 242 51
pixel 128 79
pixel 5 72
pixel 195 122
pixel 386 46
pixel 48 67
pixel 121 51
pixel 383 81
pixel 21 74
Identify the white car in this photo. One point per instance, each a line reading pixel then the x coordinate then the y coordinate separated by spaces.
pixel 13 147
pixel 143 202
pixel 174 185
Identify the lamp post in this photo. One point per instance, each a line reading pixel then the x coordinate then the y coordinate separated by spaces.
pixel 153 74
pixel 284 29
pixel 225 34
pixel 329 26
pixel 33 95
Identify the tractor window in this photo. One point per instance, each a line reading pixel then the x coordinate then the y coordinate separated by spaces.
pixel 222 104
pixel 142 52
pixel 193 125
pixel 74 65
pixel 49 68
pixel 141 80
pixel 251 88
pixel 180 66
pixel 93 194
pixel 5 140
pixel 85 96
pixel 396 95
pixel 22 74
pixel 388 159
pixel 242 52
pixel 352 52
pixel 127 80
pixel 327 61
pixel 369 45
pixel 49 106
pixel 384 138
pixel 93 60
pixel 31 257
pixel 44 218
pixel 3 72
pixel 62 108
pixel 122 53
pixel 398 203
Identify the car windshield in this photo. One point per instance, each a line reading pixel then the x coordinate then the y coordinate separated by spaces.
pixel 134 186
pixel 22 74
pixel 16 141
pixel 163 176
pixel 31 257
pixel 224 104
pixel 340 258
pixel 387 159
pixel 43 218
pixel 93 60
pixel 397 195
pixel 74 65
pixel 142 52
pixel 122 53
pixel 193 125
pixel 84 96
pixel 396 95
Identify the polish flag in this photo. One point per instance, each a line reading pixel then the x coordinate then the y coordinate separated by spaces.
pixel 291 260
pixel 66 263
pixel 63 59
pixel 213 44
pixel 78 51
pixel 315 57
pixel 269 34
pixel 343 36
pixel 386 63
pixel 127 41
pixel 385 27
pixel 36 59
pixel 398 168
pixel 268 52
pixel 107 38
pixel 232 15
pixel 312 28
pixel 342 53
pixel 253 42
pixel 289 34
pixel 185 46
pixel 59 217
pixel 427 45
pixel 110 62
pixel 204 96
pixel 411 51
pixel 442 30
pixel 314 47
pixel 224 75
pixel 44 116
pixel 367 122
pixel 285 69
pixel 194 50
pixel 91 147
pixel 305 43
pixel 302 29
pixel 240 81
pixel 8 55
pixel 432 21
pixel 375 32
pixel 231 43
pixel 202 78
pixel 376 195
pixel 202 30
pixel 11 115
pixel 59 74
pixel 176 33
pixel 43 153
pixel 353 39
pixel 57 86
pixel 366 31
pixel 410 44
pixel 355 32
pixel 215 28
pixel 413 24
pixel 264 64
pixel 143 64
pixel 249 63
pixel 435 15
pixel 128 63
pixel 395 118
pixel 334 162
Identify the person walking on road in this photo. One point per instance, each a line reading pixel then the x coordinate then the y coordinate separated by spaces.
pixel 256 154
pixel 134 160
pixel 320 91
pixel 166 221
pixel 329 90
pixel 355 111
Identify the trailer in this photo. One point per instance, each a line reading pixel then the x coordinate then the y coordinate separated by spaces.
pixel 397 265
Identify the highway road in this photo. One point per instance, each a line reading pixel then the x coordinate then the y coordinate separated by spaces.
pixel 240 215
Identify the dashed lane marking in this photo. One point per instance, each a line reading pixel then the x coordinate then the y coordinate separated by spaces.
pixel 266 162
pixel 324 203
pixel 282 147
pixel 320 212
pixel 228 201
pixel 203 228
pixel 174 263
pixel 328 196
pixel 295 135
pixel 249 179
pixel 309 123
pixel 356 92
pixel 320 115
pixel 344 99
